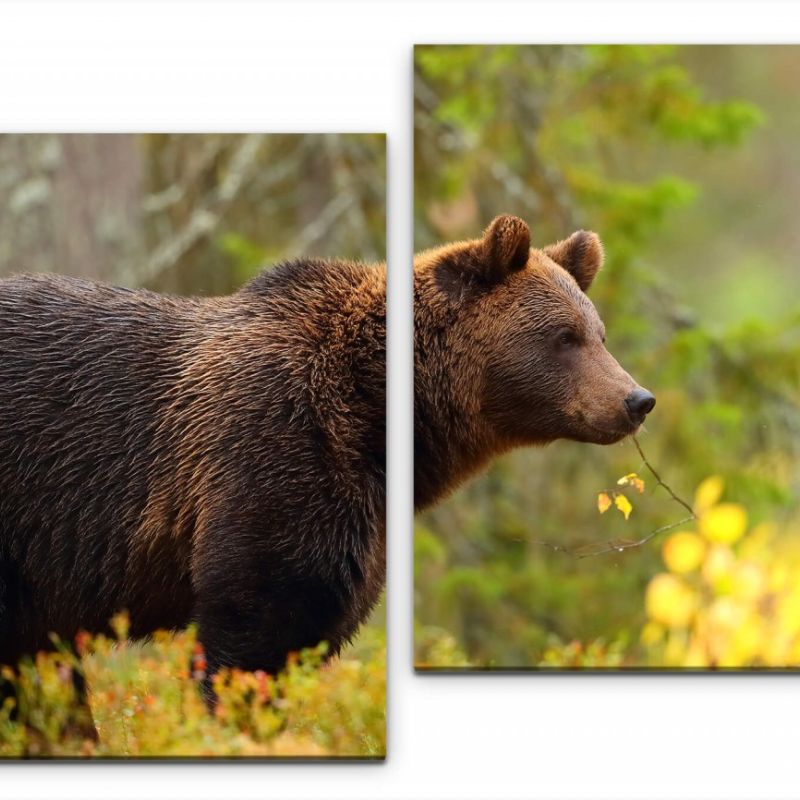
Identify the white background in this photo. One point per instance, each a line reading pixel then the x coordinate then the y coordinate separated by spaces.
pixel 317 66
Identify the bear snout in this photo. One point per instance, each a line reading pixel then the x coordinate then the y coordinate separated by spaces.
pixel 639 404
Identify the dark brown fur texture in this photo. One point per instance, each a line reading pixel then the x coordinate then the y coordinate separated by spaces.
pixel 509 351
pixel 219 460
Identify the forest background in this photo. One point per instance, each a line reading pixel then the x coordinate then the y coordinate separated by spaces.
pixel 685 161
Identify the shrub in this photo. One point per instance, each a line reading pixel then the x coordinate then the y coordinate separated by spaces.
pixel 146 702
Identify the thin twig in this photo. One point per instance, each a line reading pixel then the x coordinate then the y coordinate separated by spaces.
pixel 620 545
pixel 659 481
pixel 551 545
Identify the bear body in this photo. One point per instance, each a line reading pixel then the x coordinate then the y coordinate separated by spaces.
pixel 508 352
pixel 220 460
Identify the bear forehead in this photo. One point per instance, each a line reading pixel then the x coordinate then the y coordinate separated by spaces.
pixel 544 285
pixel 544 274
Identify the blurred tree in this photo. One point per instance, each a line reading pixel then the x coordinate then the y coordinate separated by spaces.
pixel 69 202
pixel 187 213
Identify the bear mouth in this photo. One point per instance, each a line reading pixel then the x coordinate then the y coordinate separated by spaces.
pixel 610 435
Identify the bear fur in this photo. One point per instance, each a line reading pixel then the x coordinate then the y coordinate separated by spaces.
pixel 220 460
pixel 509 351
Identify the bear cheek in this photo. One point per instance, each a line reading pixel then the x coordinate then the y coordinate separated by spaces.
pixel 523 401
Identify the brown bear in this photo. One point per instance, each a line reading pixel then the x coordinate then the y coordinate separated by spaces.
pixel 220 460
pixel 509 351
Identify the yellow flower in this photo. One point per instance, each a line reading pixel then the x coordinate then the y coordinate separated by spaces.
pixel 724 614
pixel 695 657
pixel 670 601
pixel 718 566
pixel 748 581
pixel 652 633
pixel 683 552
pixel 758 542
pixel 788 612
pixel 747 641
pixel 708 493
pixel 724 523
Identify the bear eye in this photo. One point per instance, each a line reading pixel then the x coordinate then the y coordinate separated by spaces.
pixel 566 337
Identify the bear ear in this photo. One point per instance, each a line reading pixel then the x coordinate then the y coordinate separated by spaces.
pixel 504 248
pixel 581 255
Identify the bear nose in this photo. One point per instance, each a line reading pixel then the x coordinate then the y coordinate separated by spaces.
pixel 639 404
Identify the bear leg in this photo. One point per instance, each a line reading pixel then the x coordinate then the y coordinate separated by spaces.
pixel 260 634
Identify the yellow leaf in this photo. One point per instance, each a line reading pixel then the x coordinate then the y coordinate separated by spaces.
pixel 603 502
pixel 624 505
pixel 708 493
pixel 683 552
pixel 670 601
pixel 724 523
pixel 632 479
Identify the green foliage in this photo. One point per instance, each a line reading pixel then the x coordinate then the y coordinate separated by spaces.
pixel 646 146
pixel 437 649
pixel 145 701
pixel 246 257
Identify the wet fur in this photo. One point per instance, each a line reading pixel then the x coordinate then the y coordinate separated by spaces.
pixel 219 460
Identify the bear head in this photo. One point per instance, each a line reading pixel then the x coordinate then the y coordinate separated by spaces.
pixel 532 344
